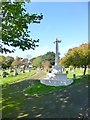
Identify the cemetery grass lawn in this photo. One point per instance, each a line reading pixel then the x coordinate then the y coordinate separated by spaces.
pixel 39 88
pixel 20 76
pixel 17 105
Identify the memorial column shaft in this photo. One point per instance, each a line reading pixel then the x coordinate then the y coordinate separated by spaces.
pixel 57 55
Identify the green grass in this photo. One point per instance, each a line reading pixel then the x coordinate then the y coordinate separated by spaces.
pixel 16 105
pixel 10 79
pixel 39 88
pixel 78 72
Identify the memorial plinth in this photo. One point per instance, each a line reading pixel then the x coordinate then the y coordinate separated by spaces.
pixel 56 77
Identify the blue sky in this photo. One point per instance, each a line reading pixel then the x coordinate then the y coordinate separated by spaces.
pixel 66 20
pixel 59 0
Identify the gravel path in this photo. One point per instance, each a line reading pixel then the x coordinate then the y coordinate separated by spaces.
pixel 71 102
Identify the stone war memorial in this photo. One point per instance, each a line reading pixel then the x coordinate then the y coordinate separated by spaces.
pixel 57 77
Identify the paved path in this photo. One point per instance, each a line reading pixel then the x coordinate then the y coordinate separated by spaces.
pixel 71 102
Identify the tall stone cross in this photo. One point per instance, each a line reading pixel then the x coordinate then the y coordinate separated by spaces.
pixel 57 51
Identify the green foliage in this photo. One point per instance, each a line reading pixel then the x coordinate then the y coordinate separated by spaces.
pixel 15 21
pixel 39 61
pixel 46 65
pixel 49 56
pixel 77 57
pixel 16 62
pixel 9 61
pixel 5 62
pixel 2 60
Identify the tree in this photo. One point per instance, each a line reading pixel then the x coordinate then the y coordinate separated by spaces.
pixel 37 61
pixel 16 62
pixel 64 62
pixel 15 21
pixel 5 62
pixel 49 56
pixel 84 55
pixel 40 60
pixel 2 62
pixel 46 65
pixel 77 57
pixel 9 61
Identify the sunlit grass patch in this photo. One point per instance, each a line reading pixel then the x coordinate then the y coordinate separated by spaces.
pixel 20 76
pixel 38 88
pixel 41 89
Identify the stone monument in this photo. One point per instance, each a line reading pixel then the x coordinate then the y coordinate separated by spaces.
pixel 56 77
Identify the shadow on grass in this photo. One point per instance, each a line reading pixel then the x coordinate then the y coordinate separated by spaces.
pixel 70 102
pixel 39 89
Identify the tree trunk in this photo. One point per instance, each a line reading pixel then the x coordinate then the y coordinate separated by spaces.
pixel 85 67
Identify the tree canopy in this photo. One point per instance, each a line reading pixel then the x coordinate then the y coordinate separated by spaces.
pixel 5 62
pixel 15 22
pixel 78 56
pixel 43 60
pixel 16 62
pixel 49 56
